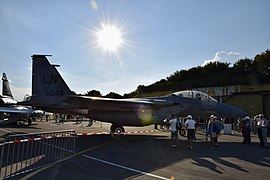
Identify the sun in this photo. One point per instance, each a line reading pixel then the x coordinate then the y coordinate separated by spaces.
pixel 109 38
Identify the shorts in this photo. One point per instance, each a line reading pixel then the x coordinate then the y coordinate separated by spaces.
pixel 191 134
pixel 174 134
pixel 213 135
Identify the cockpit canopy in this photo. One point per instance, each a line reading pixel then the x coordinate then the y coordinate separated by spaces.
pixel 194 95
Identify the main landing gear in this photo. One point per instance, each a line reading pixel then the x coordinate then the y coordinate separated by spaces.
pixel 182 132
pixel 117 129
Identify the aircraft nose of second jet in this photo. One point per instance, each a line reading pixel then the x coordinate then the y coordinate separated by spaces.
pixel 232 112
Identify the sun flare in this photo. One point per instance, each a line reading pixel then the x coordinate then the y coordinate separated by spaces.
pixel 109 38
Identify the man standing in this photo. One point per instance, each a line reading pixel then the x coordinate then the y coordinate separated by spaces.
pixel 174 132
pixel 212 131
pixel 190 125
pixel 247 138
pixel 262 131
pixel 243 128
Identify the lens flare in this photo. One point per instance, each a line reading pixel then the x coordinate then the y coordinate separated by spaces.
pixel 145 114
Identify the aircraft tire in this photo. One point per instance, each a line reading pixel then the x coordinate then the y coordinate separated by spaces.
pixel 182 132
pixel 116 129
pixel 112 127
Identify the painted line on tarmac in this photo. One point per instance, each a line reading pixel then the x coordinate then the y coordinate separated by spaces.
pixel 106 133
pixel 127 168
pixel 117 165
pixel 36 172
pixel 7 131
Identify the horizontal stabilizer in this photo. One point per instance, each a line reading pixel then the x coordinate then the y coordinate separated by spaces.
pixel 16 109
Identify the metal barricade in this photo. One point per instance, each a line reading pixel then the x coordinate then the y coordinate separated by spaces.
pixel 22 153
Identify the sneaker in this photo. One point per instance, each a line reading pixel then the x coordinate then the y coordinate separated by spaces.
pixel 174 146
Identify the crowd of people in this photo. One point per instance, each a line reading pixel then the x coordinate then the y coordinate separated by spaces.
pixel 213 128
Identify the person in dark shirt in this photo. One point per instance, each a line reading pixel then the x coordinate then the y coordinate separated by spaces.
pixel 213 131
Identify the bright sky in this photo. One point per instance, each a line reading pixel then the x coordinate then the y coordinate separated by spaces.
pixel 116 45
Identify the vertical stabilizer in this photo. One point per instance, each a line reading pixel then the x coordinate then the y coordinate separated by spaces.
pixel 5 87
pixel 48 87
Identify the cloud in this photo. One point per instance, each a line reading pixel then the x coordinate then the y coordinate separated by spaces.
pixel 223 56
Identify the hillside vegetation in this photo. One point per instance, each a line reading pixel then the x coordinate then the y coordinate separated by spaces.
pixel 243 72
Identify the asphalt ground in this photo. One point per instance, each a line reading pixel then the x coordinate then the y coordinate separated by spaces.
pixel 149 155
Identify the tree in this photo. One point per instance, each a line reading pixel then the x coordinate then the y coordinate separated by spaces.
pixel 94 93
pixel 262 66
pixel 243 72
pixel 114 95
pixel 243 66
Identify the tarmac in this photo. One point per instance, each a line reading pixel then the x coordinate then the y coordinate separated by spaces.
pixel 145 153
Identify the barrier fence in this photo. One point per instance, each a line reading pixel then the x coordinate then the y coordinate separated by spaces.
pixel 26 152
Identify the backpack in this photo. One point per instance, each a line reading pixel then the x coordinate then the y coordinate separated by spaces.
pixel 220 126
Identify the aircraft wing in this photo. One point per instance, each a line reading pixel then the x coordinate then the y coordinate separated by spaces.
pixel 97 103
pixel 16 109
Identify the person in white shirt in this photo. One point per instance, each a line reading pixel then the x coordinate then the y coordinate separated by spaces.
pixel 190 125
pixel 174 132
pixel 262 130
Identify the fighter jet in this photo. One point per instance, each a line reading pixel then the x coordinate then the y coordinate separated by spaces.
pixel 10 111
pixel 51 93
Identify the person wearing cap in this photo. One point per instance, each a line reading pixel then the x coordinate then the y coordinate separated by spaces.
pixel 245 129
pixel 255 124
pixel 262 131
pixel 190 125
pixel 212 131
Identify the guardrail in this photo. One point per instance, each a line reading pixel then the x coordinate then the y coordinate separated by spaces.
pixel 22 153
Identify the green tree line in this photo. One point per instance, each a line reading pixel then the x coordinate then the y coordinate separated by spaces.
pixel 244 72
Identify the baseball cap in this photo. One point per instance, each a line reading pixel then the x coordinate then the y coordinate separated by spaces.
pixel 213 116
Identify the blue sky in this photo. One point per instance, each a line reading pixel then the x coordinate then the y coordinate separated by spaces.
pixel 159 38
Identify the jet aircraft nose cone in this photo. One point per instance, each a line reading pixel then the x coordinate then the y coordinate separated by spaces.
pixel 241 113
pixel 232 112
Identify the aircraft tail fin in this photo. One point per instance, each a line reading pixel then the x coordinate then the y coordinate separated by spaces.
pixel 5 87
pixel 48 86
